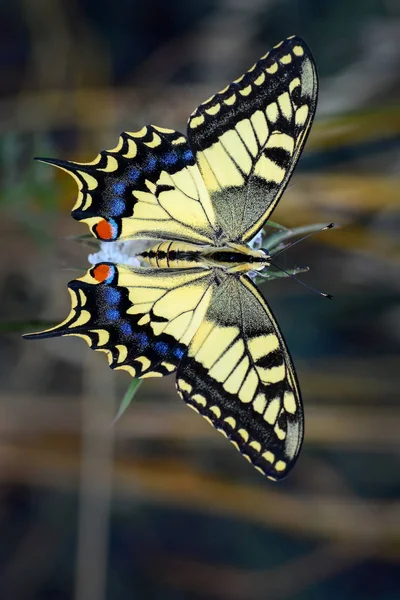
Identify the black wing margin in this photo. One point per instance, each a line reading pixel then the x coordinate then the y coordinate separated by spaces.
pixel 238 375
pixel 248 137
pixel 148 186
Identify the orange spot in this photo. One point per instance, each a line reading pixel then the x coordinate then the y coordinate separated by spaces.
pixel 104 230
pixel 101 272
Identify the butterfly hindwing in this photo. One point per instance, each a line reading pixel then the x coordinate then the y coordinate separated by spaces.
pixel 215 188
pixel 248 137
pixel 217 330
pixel 238 374
pixel 143 319
pixel 148 186
pixel 223 181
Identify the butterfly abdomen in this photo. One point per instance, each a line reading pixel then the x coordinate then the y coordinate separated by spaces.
pixel 202 199
pixel 173 255
pixel 182 255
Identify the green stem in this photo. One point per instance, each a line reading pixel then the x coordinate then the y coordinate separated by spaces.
pixel 127 399
pixel 269 275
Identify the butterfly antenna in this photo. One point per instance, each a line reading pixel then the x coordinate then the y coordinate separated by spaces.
pixel 330 226
pixel 310 287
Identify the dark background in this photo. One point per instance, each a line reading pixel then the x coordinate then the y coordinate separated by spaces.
pixel 160 506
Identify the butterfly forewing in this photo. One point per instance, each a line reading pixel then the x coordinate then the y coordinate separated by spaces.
pixel 215 188
pixel 238 374
pixel 248 137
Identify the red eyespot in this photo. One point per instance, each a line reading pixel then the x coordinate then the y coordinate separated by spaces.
pixel 102 272
pixel 105 230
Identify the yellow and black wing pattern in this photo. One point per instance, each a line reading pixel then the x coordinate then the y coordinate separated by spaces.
pixel 143 319
pixel 148 186
pixel 248 137
pixel 216 331
pixel 221 182
pixel 214 187
pixel 238 374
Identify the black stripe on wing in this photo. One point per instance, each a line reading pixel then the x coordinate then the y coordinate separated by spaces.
pixel 248 137
pixel 114 187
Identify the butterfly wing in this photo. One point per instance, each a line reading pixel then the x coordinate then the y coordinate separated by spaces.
pixel 233 365
pixel 222 182
pixel 248 137
pixel 148 186
pixel 220 185
pixel 238 375
pixel 143 319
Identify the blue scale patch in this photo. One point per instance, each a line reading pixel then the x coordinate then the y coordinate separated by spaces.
pixel 179 352
pixel 142 339
pixel 133 174
pixel 117 206
pixel 187 155
pixel 112 314
pixel 161 347
pixel 170 158
pixel 126 328
pixel 112 295
pixel 119 187
pixel 151 164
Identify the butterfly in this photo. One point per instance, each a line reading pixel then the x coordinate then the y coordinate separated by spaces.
pixel 193 309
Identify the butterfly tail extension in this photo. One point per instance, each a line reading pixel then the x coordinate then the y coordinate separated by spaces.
pixel 148 186
pixel 194 310
pixel 141 319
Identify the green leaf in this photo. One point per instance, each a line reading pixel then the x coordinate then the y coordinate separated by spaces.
pixel 274 241
pixel 276 226
pixel 127 399
pixel 269 275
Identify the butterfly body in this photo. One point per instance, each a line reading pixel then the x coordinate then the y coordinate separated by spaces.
pixel 194 310
pixel 233 258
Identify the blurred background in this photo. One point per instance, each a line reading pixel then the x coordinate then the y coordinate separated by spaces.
pixel 160 506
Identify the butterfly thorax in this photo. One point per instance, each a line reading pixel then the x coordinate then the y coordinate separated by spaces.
pixel 234 258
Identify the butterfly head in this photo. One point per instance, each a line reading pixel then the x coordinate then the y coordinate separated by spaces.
pixel 261 259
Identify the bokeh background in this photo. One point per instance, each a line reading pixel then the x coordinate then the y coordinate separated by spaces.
pixel 159 506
